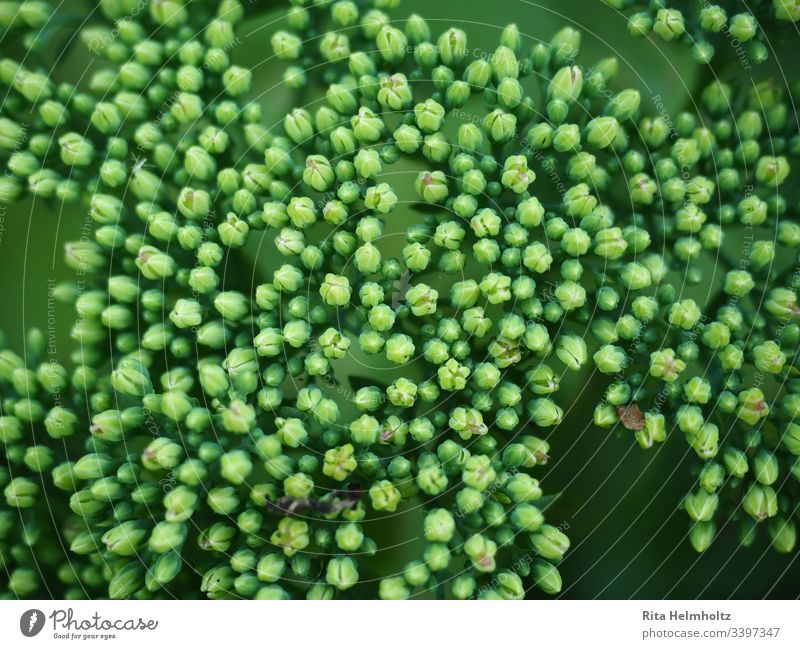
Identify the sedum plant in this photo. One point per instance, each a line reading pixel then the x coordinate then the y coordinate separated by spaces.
pixel 304 340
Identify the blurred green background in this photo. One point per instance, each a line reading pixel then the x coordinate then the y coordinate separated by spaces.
pixel 621 504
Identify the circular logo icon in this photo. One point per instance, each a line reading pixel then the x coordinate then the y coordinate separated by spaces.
pixel 31 622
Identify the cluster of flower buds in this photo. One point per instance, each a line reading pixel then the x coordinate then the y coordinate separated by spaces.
pixel 715 355
pixel 747 29
pixel 211 444
pixel 306 343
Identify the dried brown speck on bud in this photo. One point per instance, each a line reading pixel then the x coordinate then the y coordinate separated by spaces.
pixel 631 416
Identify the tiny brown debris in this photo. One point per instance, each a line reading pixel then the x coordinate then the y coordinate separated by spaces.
pixel 631 416
pixel 336 501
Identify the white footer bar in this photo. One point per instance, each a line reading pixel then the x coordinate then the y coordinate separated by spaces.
pixel 390 625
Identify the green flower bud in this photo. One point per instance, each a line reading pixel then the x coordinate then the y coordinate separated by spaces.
pixel 702 534
pixel 752 406
pixel 765 468
pixel 565 45
pixel 163 571
pixel 701 505
pixel 21 493
pixel 452 46
pixel 407 138
pixel 291 535
pixel 545 412
pixel 516 176
pixel 271 567
pixel 236 466
pixel 131 379
pixel 550 543
pixel 417 29
pixel 760 502
pixel 571 350
pixel 463 587
pixel 713 18
pixel 439 526
pixel 339 462
pixel 669 24
pixel 481 552
pixel 349 537
pixel 500 125
pixel 504 64
pixel 392 44
pixel 790 438
pixel 416 573
pixel 735 462
pixel 380 198
pixel 664 365
pixel 567 137
pixel 216 538
pixel 546 576
pixel 286 46
pixel 38 458
pixel 342 573
pixel 384 496
pixel 392 588
pixel 127 580
pixel 237 80
pixel 783 534
pixel 318 173
pixel 478 73
pixel 602 131
pixel 125 538
pixel 742 27
pixel 298 125
pixel 768 357
pixel 335 290
pixel 75 150
pixel 367 126
pixel 238 417
pixel 429 116
pixel 610 359
pixel 166 537
pixel 12 135
pixel 785 10
pixel 712 477
pixel 697 390
pixel 85 543
pixel 566 84
pixel 570 295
